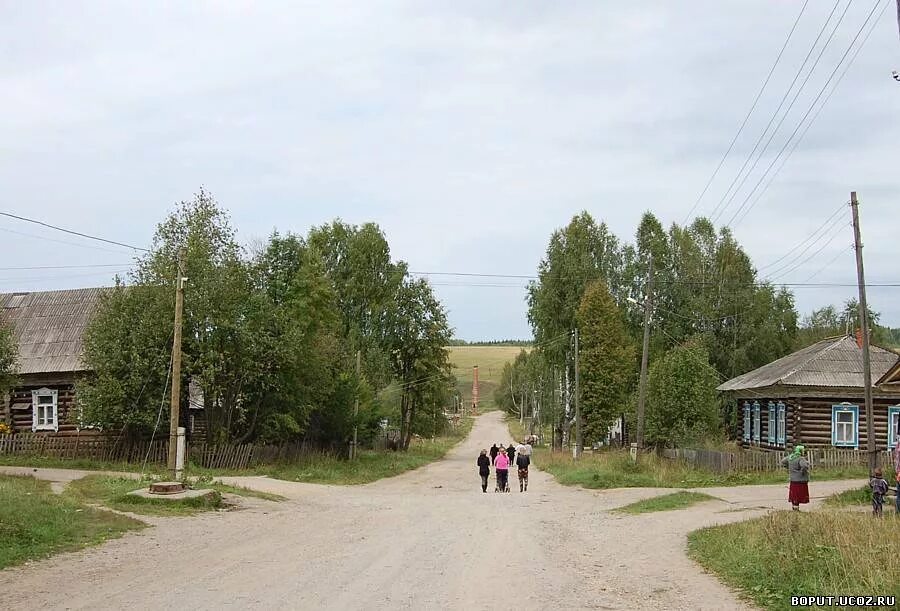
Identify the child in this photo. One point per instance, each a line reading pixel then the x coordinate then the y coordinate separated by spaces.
pixel 484 469
pixel 879 487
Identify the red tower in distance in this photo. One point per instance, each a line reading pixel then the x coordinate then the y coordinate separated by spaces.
pixel 475 390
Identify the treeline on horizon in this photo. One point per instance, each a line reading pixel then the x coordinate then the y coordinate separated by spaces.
pixel 495 342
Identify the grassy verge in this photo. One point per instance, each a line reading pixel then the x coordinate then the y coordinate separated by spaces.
pixel 667 502
pixel 783 554
pixel 35 523
pixel 49 462
pixel 113 492
pixel 851 498
pixel 615 469
pixel 371 465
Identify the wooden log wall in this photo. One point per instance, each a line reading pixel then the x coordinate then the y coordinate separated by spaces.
pixel 21 409
pixel 789 421
pixel 815 421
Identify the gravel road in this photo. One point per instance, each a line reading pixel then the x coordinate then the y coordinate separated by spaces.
pixel 428 539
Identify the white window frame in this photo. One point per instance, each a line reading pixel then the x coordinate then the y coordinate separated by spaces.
pixel 746 422
pixel 781 434
pixel 773 423
pixel 36 424
pixel 757 422
pixel 845 408
pixel 893 425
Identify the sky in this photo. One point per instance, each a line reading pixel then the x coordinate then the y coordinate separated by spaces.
pixel 468 130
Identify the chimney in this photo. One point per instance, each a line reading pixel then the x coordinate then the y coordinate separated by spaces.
pixel 859 338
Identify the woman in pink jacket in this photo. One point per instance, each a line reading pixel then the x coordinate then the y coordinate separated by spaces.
pixel 501 465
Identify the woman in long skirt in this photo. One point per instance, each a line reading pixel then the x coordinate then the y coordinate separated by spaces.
pixel 798 470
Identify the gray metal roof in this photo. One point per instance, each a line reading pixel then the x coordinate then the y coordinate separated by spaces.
pixel 48 327
pixel 834 362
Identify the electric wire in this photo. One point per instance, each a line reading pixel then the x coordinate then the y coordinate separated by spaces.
pixel 801 244
pixel 71 232
pixel 759 140
pixel 749 113
pixel 834 227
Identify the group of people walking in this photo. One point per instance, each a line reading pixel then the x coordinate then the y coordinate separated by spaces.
pixel 502 458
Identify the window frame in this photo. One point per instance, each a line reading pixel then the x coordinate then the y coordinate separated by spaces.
pixel 37 407
pixel 772 416
pixel 845 408
pixel 781 424
pixel 757 422
pixel 893 428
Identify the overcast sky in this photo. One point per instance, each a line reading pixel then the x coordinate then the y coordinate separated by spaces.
pixel 467 130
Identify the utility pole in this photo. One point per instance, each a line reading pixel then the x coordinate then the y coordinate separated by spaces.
pixel 175 403
pixel 356 404
pixel 864 323
pixel 642 391
pixel 579 442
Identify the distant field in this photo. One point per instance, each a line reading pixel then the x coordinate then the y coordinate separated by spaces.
pixel 490 361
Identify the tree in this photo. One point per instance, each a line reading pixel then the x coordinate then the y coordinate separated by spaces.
pixel 8 360
pixel 607 359
pixel 418 333
pixel 681 397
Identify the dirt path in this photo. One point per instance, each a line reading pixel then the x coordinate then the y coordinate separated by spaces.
pixel 428 539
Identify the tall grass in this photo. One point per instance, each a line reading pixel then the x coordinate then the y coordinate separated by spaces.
pixel 35 523
pixel 784 554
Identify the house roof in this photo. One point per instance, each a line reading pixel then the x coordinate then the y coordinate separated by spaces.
pixel 48 327
pixel 833 362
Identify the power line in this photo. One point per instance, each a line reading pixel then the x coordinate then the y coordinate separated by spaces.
pixel 800 264
pixel 806 114
pixel 790 88
pixel 39 267
pixel 833 228
pixel 826 266
pixel 72 232
pixel 46 239
pixel 809 237
pixel 816 114
pixel 749 112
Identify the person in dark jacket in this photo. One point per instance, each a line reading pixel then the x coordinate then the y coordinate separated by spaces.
pixel 484 469
pixel 511 453
pixel 522 462
pixel 494 451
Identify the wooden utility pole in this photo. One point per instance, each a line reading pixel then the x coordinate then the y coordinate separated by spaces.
pixel 642 391
pixel 356 405
pixel 579 442
pixel 175 403
pixel 864 324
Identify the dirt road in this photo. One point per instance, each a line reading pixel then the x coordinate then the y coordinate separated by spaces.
pixel 424 540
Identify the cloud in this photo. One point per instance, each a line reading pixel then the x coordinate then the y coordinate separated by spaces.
pixel 468 130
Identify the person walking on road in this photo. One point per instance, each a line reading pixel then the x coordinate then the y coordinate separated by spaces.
pixel 484 469
pixel 501 467
pixel 493 453
pixel 522 462
pixel 798 469
pixel 511 453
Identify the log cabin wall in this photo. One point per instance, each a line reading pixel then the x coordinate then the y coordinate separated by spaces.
pixel 21 410
pixel 764 444
pixel 816 414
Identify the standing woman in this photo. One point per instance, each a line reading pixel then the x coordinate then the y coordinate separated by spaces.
pixel 493 453
pixel 798 470
pixel 484 469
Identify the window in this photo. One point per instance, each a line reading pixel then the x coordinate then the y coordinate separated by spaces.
pixel 746 422
pixel 893 425
pixel 844 425
pixel 772 423
pixel 756 421
pixel 782 424
pixel 44 410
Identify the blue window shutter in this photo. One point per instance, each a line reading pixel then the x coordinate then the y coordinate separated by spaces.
pixel 756 422
pixel 746 421
pixel 893 425
pixel 782 423
pixel 773 423
pixel 853 410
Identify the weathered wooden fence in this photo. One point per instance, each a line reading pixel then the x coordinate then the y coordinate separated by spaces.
pixel 110 449
pixel 749 460
pixel 90 447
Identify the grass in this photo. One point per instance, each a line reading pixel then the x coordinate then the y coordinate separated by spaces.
pixel 667 502
pixel 50 462
pixel 35 523
pixel 490 361
pixel 850 498
pixel 113 492
pixel 772 558
pixel 371 465
pixel 615 469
